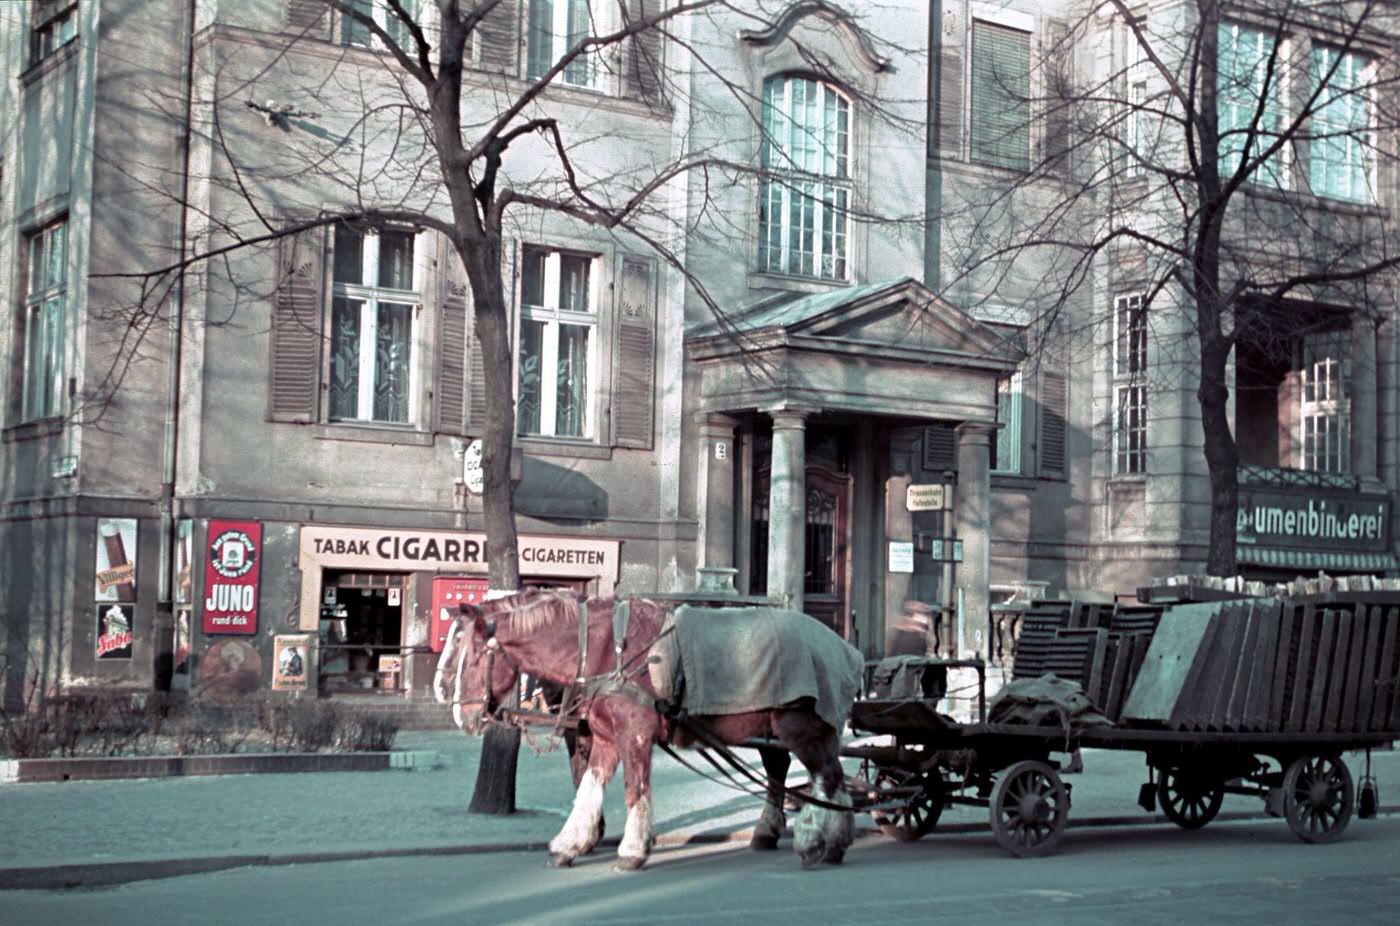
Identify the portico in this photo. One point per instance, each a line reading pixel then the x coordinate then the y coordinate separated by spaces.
pixel 809 414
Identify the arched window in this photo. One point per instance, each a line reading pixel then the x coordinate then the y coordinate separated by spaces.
pixel 804 199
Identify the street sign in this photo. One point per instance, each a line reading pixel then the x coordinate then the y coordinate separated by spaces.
pixel 926 497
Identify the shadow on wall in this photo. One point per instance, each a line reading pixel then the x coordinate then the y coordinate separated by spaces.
pixel 557 493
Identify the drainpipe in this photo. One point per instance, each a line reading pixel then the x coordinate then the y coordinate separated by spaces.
pixel 933 166
pixel 170 445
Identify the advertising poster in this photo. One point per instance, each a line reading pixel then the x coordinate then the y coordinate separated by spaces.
pixel 115 622
pixel 116 559
pixel 184 557
pixel 291 661
pixel 231 577
pixel 182 641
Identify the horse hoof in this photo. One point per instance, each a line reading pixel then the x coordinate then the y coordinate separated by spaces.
pixel 561 860
pixel 629 863
pixel 834 857
pixel 763 843
pixel 812 858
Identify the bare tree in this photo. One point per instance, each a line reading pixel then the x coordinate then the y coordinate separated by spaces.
pixel 1238 156
pixel 425 141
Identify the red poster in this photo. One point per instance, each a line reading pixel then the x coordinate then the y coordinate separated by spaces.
pixel 231 577
pixel 448 593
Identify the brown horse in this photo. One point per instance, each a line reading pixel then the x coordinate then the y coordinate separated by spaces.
pixel 538 632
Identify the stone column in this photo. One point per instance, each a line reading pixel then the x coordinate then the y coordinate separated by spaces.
pixel 787 508
pixel 1364 418
pixel 972 507
pixel 716 490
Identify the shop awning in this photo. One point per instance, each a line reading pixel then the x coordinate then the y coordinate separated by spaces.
pixel 1283 558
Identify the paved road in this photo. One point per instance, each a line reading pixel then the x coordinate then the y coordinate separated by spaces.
pixel 1253 873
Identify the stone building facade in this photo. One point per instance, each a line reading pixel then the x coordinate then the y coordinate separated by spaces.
pixel 284 478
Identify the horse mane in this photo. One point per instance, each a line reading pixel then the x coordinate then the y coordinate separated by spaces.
pixel 536 609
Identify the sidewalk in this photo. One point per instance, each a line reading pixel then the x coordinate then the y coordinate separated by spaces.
pixel 90 832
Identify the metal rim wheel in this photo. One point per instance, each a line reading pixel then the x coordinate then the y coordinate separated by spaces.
pixel 1030 808
pixel 919 816
pixel 1317 797
pixel 1188 798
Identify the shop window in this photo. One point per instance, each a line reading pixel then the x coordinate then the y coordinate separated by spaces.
pixel 372 328
pixel 1129 385
pixel 1245 76
pixel 1006 452
pixel 1325 411
pixel 45 330
pixel 52 25
pixel 1000 127
pixel 557 361
pixel 1340 162
pixel 805 196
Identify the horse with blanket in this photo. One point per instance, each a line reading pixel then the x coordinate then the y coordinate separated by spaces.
pixel 648 676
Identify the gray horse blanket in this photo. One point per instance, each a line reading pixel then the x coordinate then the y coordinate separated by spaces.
pixel 735 660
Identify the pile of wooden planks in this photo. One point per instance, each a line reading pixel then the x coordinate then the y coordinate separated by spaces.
pixel 1271 665
pixel 1099 646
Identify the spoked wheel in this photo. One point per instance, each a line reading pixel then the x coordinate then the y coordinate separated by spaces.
pixel 1190 799
pixel 919 816
pixel 1030 808
pixel 1317 797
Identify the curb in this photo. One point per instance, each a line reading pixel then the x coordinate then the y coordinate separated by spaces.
pixel 28 771
pixel 107 874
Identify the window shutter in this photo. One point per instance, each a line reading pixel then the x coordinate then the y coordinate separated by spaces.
pixel 940 448
pixel 454 319
pixel 645 79
pixel 1056 59
pixel 1054 406
pixel 634 375
pixel 294 390
pixel 950 86
pixel 309 17
pixel 499 39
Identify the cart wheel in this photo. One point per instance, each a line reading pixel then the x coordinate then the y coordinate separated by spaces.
pixel 1030 807
pixel 1317 797
pixel 1189 799
pixel 917 818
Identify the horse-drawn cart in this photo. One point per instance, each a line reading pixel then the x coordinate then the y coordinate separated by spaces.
pixel 1257 698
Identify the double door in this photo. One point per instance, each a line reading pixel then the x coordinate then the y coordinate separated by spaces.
pixel 826 535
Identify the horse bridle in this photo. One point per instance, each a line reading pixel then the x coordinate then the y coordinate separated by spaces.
pixel 490 708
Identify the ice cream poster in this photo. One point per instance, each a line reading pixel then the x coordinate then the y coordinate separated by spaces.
pixel 116 559
pixel 115 623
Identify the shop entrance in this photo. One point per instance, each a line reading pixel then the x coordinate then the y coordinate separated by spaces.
pixel 362 632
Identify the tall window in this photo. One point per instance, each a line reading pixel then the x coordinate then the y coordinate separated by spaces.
pixel 1244 77
pixel 555 26
pixel 804 200
pixel 355 32
pixel 558 319
pixel 1001 128
pixel 1325 415
pixel 1340 161
pixel 1138 138
pixel 1129 385
pixel 46 322
pixel 1006 455
pixel 52 24
pixel 373 322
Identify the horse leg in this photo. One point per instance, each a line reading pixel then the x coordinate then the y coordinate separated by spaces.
pixel 579 746
pixel 638 833
pixel 820 834
pixel 580 831
pixel 771 822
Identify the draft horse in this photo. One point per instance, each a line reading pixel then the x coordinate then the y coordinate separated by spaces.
pixel 538 632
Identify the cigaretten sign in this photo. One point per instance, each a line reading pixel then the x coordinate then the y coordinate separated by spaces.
pixel 231 575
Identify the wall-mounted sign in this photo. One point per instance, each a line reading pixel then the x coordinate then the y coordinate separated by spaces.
pixel 115 623
pixel 116 559
pixel 231 577
pixel 946 551
pixel 1313 519
pixel 901 556
pixel 926 497
pixel 471 468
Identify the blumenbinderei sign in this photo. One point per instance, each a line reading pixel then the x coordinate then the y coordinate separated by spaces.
pixel 1313 520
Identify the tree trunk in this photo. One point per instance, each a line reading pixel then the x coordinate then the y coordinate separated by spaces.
pixel 495 775
pixel 1222 459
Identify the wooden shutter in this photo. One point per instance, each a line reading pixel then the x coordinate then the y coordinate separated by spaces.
pixel 645 79
pixel 453 320
pixel 940 448
pixel 294 386
pixel 951 62
pixel 634 374
pixel 499 39
pixel 309 17
pixel 1057 68
pixel 1054 406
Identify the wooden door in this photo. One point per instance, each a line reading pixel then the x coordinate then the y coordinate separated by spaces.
pixel 826 571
